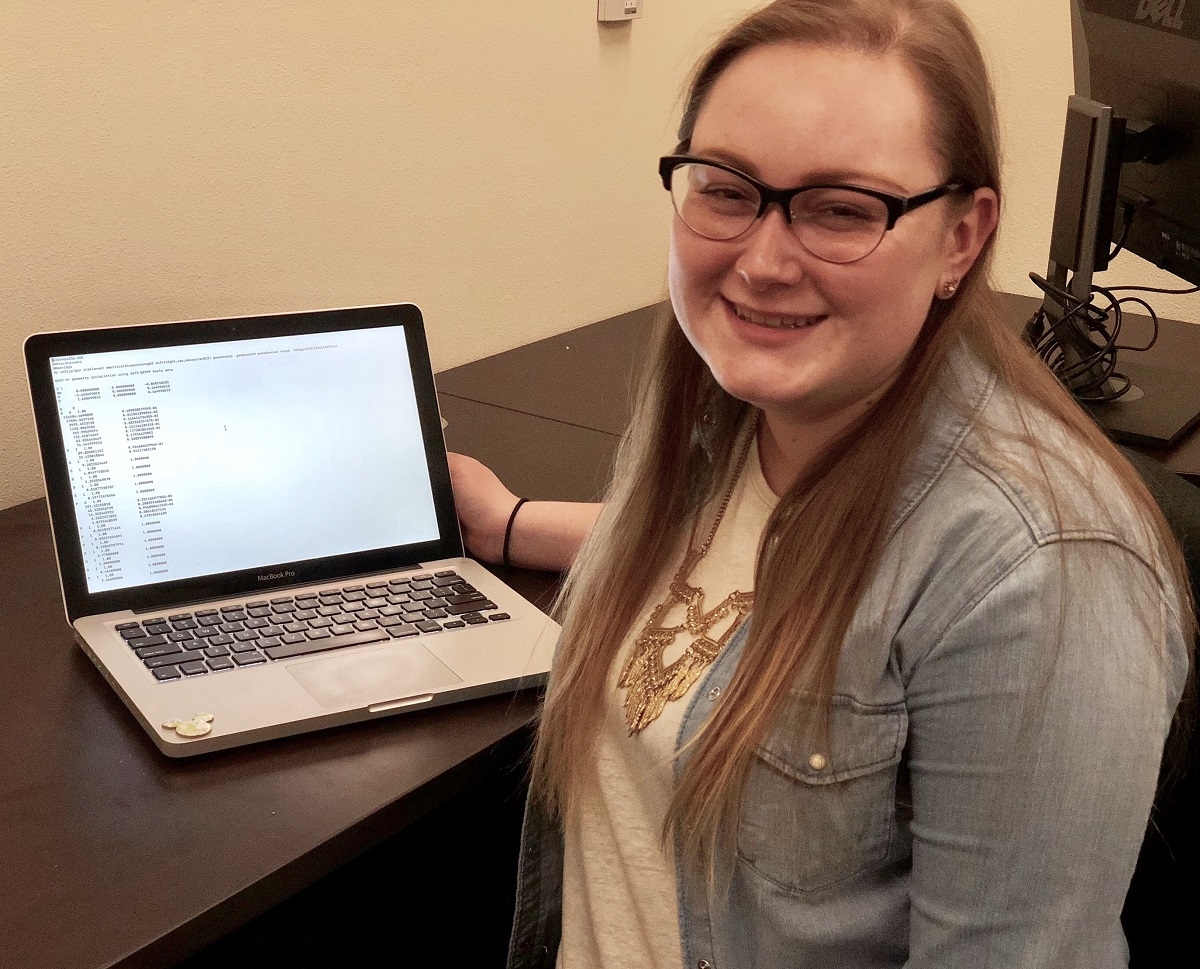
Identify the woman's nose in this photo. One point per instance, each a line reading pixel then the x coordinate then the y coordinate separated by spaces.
pixel 772 254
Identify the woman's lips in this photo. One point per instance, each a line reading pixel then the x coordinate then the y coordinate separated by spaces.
pixel 773 321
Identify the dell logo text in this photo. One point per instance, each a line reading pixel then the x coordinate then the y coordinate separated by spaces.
pixel 1169 13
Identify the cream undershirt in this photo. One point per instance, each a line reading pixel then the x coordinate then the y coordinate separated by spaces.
pixel 619 894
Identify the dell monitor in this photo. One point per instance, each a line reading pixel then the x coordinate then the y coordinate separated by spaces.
pixel 1130 175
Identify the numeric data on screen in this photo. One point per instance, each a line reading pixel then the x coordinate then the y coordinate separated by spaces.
pixel 212 458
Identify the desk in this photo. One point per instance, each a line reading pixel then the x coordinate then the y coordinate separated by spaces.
pixel 113 855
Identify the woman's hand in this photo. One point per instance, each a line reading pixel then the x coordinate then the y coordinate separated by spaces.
pixel 546 534
pixel 484 505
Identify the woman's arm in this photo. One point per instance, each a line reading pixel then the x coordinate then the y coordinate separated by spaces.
pixel 545 534
pixel 1034 745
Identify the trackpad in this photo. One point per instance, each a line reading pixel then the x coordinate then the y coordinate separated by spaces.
pixel 361 679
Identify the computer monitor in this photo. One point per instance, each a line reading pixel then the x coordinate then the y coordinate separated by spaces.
pixel 1130 174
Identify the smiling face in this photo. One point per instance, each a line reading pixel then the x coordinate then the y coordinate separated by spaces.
pixel 814 343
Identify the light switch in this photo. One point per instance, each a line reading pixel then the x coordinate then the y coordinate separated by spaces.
pixel 610 10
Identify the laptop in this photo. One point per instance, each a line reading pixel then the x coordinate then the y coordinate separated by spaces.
pixel 255 529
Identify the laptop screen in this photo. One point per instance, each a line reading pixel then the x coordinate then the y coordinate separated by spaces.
pixel 201 459
pixel 195 460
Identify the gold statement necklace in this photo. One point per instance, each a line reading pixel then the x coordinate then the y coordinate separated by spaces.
pixel 651 685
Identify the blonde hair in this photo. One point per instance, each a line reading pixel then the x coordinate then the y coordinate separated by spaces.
pixel 825 537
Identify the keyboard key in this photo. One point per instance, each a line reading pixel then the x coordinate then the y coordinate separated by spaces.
pixel 228 609
pixel 376 585
pixel 257 604
pixel 187 622
pixel 329 610
pixel 147 641
pixel 258 612
pixel 243 647
pixel 269 641
pixel 422 584
pixel 428 626
pixel 475 605
pixel 351 588
pixel 180 637
pixel 279 608
pixel 207 631
pixel 473 619
pixel 128 625
pixel 341 629
pixel 444 573
pixel 157 628
pixel 364 624
pixel 193 669
pixel 257 623
pixel 294 638
pixel 231 627
pixel 282 599
pixel 319 645
pixel 166 649
pixel 217 651
pixel 200 613
pixel 349 595
pixel 248 659
pixel 499 616
pixel 318 634
pixel 454 624
pixel 210 620
pixel 446 578
pixel 403 629
pixel 220 640
pixel 246 636
pixel 436 614
pixel 167 673
pixel 304 614
pixel 295 627
pixel 220 663
pixel 460 598
pixel 133 631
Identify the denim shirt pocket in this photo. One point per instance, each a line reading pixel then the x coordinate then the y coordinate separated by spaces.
pixel 819 812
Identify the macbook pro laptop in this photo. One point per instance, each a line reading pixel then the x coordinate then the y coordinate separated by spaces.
pixel 255 529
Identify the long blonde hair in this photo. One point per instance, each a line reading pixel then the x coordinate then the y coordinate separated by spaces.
pixel 826 535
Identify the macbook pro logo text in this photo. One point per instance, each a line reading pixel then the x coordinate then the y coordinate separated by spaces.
pixel 1168 13
pixel 272 576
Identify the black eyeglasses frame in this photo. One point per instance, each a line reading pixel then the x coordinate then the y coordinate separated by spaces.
pixel 896 205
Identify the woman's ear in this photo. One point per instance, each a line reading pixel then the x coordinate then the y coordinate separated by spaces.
pixel 973 225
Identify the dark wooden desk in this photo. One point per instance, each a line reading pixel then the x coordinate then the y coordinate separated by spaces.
pixel 113 855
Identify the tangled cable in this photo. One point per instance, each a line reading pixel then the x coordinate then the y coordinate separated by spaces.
pixel 1093 377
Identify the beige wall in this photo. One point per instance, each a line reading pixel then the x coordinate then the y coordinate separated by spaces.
pixel 492 162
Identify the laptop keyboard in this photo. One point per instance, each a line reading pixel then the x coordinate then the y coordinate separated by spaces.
pixel 260 631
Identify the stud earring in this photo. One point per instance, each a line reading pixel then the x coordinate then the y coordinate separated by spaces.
pixel 949 288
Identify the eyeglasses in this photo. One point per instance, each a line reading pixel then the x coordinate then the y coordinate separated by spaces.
pixel 836 223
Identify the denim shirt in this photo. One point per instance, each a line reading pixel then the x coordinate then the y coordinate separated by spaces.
pixel 1002 699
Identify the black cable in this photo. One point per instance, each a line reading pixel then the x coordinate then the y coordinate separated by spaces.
pixel 1127 214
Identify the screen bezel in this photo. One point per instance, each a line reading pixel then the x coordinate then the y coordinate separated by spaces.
pixel 41 347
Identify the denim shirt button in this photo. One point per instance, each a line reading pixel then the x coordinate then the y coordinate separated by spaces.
pixel 817 762
pixel 704 964
pixel 714 693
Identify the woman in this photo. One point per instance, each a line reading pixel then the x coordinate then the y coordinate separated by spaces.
pixel 870 655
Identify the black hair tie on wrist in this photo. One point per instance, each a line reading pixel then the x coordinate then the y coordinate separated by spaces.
pixel 508 530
